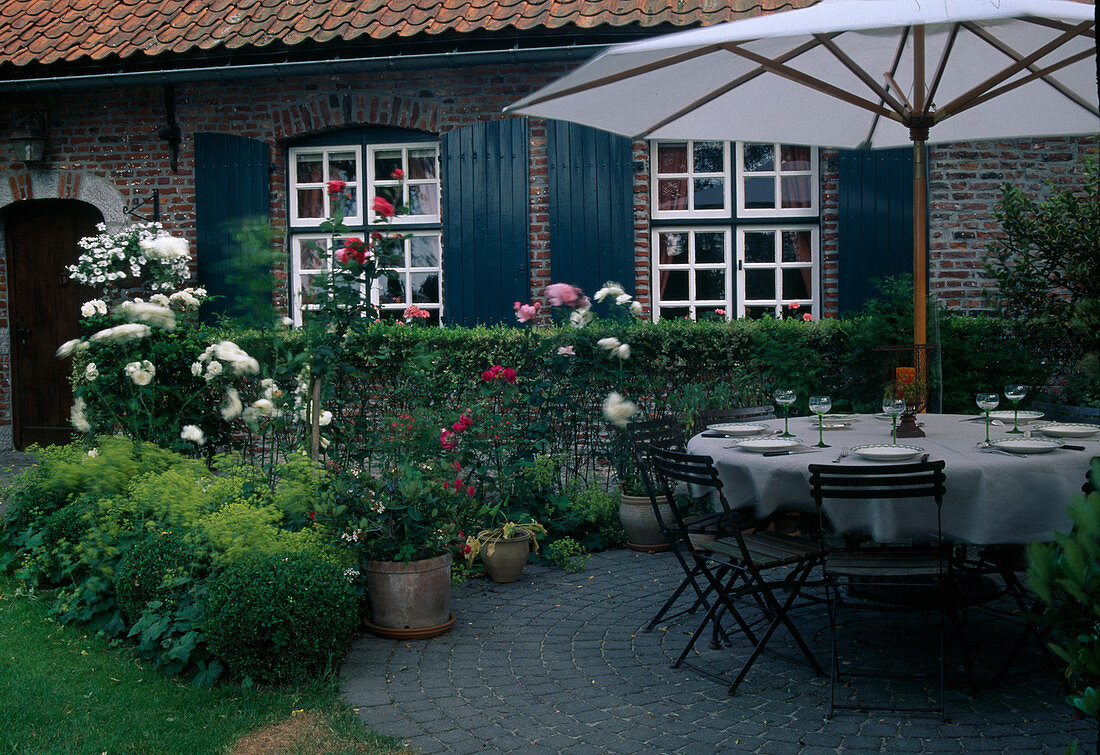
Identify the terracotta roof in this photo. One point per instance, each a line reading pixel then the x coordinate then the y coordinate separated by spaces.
pixel 62 31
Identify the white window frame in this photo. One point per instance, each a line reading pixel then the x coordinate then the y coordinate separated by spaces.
pixel 374 183
pixel 296 219
pixel 778 211
pixel 406 271
pixel 811 305
pixel 324 240
pixel 692 303
pixel 690 176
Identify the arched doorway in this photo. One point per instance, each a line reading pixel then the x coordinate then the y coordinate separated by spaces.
pixel 41 238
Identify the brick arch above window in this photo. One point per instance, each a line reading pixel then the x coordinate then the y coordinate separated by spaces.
pixel 327 112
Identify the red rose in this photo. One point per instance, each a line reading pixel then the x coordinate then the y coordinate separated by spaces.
pixel 335 187
pixel 466 549
pixel 461 535
pixel 794 306
pixel 470 491
pixel 509 374
pixel 487 375
pixel 313 516
pixel 808 317
pixel 398 173
pixel 382 207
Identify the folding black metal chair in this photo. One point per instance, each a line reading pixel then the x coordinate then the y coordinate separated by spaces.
pixel 764 569
pixel 884 578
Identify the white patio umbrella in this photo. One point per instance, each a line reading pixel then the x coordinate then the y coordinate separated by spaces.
pixel 850 73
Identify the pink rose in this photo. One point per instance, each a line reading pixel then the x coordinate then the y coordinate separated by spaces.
pixel 720 312
pixel 794 306
pixel 342 255
pixel 382 207
pixel 335 187
pixel 526 312
pixel 807 317
pixel 566 351
pixel 559 294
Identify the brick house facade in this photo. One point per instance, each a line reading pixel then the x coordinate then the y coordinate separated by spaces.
pixel 106 148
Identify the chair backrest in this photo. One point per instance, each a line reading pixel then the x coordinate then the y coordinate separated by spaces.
pixel 733 414
pixel 879 483
pixel 1089 487
pixel 672 468
pixel 1089 415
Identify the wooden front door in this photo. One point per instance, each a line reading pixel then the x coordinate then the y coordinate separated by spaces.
pixel 43 312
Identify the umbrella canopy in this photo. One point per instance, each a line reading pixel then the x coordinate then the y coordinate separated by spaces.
pixel 851 73
pixel 848 73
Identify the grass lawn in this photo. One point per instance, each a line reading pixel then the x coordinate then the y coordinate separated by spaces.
pixel 65 690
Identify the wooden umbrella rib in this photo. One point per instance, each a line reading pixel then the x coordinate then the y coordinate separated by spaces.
pixel 1051 23
pixel 629 73
pixel 937 77
pixel 964 100
pixel 861 74
pixel 1041 73
pixel 734 84
pixel 812 83
pixel 1005 49
pixel 898 52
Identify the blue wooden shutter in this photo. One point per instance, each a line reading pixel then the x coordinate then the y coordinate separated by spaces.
pixel 875 223
pixel 485 222
pixel 231 186
pixel 591 206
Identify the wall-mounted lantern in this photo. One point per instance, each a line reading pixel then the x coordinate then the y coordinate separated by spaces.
pixel 29 145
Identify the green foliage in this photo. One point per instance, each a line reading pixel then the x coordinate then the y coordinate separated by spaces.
pixel 1065 575
pixel 158 568
pixel 567 554
pixel 278 619
pixel 1048 270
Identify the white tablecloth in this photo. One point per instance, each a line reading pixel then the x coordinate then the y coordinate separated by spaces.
pixel 991 498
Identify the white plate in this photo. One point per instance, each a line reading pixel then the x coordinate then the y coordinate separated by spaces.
pixel 1026 445
pixel 1005 415
pixel 884 417
pixel 737 428
pixel 829 425
pixel 1067 430
pixel 885 452
pixel 839 417
pixel 762 445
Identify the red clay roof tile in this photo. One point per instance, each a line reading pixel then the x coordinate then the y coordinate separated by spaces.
pixel 48 31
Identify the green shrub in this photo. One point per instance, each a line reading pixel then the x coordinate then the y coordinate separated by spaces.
pixel 158 568
pixel 279 619
pixel 567 554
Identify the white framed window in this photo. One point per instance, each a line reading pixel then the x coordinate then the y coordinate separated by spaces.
pixel 310 260
pixel 692 270
pixel 776 180
pixel 691 179
pixel 777 267
pixel 311 168
pixel 418 280
pixel 419 182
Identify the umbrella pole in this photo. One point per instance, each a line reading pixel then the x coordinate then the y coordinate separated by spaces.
pixel 920 244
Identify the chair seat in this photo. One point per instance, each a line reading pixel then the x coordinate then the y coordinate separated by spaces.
pixel 885 563
pixel 767 549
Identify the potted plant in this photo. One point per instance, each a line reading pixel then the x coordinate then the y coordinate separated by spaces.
pixel 504 549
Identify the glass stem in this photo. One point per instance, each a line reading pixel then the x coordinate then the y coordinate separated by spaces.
pixel 820 429
pixel 786 417
pixel 894 432
pixel 987 426
pixel 1015 417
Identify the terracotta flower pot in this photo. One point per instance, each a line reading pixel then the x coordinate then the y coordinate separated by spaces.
pixel 642 531
pixel 410 600
pixel 504 558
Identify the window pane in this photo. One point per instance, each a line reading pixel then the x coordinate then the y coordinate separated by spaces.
pixel 796 191
pixel 710 284
pixel 312 288
pixel 311 203
pixel 347 201
pixel 796 246
pixel 673 247
pixel 672 194
pixel 425 288
pixel 796 283
pixel 708 194
pixel 422 163
pixel 759 193
pixel 675 313
pixel 309 255
pixel 674 285
pixel 713 312
pixel 760 246
pixel 424 199
pixel 385 163
pixel 757 313
pixel 672 158
pixel 708 157
pixel 341 166
pixel 759 284
pixel 710 248
pixel 393 290
pixel 309 169
pixel 759 157
pixel 794 158
pixel 424 251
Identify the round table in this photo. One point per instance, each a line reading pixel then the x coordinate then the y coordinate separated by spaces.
pixel 991 499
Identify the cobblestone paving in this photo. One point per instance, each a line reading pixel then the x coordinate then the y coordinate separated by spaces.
pixel 559 663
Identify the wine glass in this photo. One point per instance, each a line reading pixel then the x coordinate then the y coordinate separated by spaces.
pixel 819 405
pixel 893 407
pixel 1015 393
pixel 785 397
pixel 987 402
